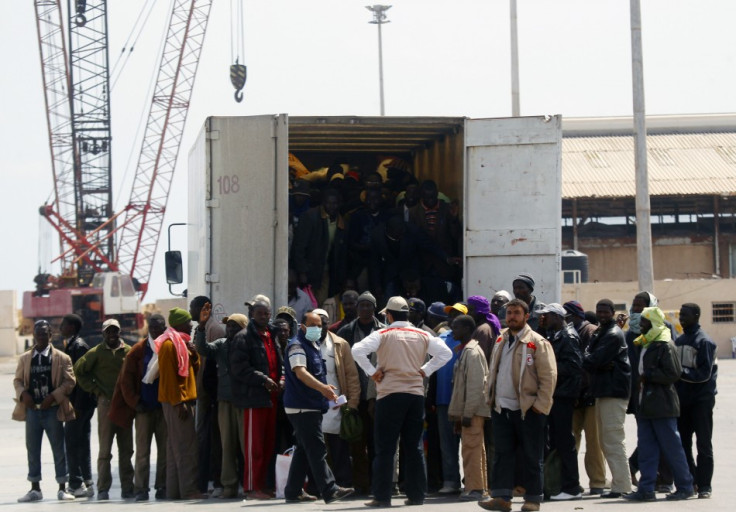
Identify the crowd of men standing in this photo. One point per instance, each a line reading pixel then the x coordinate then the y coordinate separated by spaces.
pixel 513 381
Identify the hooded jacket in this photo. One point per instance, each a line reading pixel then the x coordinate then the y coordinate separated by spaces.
pixel 659 368
pixel 699 366
pixel 534 370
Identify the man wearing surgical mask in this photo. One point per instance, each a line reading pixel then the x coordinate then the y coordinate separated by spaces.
pixel 306 396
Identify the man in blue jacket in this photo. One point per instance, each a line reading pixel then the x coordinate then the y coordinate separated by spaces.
pixel 697 392
pixel 305 401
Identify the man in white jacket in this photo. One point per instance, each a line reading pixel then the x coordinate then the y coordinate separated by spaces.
pixel 401 351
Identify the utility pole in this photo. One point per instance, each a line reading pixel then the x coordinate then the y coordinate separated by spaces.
pixel 515 103
pixel 379 18
pixel 645 266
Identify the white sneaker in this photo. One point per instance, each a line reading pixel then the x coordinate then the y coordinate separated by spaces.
pixel 32 495
pixel 79 492
pixel 217 492
pixel 448 489
pixel 90 489
pixel 64 496
pixel 563 496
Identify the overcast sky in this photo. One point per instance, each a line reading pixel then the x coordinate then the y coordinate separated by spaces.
pixel 320 58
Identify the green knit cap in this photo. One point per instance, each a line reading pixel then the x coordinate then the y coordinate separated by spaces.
pixel 178 316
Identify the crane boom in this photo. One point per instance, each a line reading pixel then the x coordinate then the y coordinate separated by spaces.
pixel 90 107
pixel 55 75
pixel 162 138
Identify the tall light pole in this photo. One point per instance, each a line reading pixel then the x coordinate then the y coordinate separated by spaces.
pixel 515 103
pixel 644 263
pixel 379 18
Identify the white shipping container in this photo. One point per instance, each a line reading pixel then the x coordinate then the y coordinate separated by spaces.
pixel 506 173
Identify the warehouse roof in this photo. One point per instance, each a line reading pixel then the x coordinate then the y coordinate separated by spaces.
pixel 685 156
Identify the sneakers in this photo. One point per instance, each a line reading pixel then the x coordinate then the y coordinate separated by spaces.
pixel 704 495
pixel 530 506
pixel 595 491
pixel 339 494
pixel 63 495
pixel 680 495
pixel 448 489
pixel 563 496
pixel 611 495
pixel 90 489
pixel 640 495
pixel 475 495
pixel 217 492
pixel 142 496
pixel 161 493
pixel 664 489
pixel 32 495
pixel 103 496
pixel 498 504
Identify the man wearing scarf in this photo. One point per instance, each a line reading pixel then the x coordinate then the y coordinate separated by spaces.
pixel 178 364
pixel 657 409
pixel 136 400
pixel 642 300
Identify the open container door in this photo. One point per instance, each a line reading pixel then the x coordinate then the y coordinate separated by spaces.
pixel 513 176
pixel 238 211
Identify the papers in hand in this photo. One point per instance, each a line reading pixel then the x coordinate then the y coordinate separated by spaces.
pixel 341 400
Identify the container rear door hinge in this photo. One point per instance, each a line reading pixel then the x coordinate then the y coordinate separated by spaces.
pixel 211 278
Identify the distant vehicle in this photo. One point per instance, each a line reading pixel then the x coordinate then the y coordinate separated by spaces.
pixel 110 295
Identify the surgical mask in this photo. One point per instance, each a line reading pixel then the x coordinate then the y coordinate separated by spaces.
pixel 634 321
pixel 314 333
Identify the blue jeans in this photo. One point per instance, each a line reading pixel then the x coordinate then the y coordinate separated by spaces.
pixel 510 432
pixel 37 422
pixel 77 437
pixel 449 446
pixel 399 414
pixel 660 436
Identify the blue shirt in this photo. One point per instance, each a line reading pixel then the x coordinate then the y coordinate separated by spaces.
pixel 444 374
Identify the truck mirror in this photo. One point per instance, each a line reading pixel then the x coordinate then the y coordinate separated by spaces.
pixel 174 272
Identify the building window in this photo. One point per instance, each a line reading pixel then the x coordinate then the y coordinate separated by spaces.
pixel 724 312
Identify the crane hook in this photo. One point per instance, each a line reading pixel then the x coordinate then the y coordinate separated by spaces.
pixel 238 74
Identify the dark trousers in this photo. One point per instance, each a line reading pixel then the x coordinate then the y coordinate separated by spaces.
pixel 664 473
pixel 399 415
pixel 434 454
pixel 210 445
pixel 490 449
pixel 510 432
pixel 310 454
pixel 339 453
pixel 78 456
pixel 660 436
pixel 697 418
pixel 562 440
pixel 361 451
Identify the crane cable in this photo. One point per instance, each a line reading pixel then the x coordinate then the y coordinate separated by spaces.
pixel 238 72
pixel 130 42
pixel 142 121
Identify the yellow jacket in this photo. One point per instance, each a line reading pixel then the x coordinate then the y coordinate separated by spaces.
pixel 172 388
